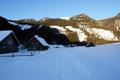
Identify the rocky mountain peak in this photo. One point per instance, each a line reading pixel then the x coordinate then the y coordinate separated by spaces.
pixel 45 18
pixel 81 16
pixel 118 15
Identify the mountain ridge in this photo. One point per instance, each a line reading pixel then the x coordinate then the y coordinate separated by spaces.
pixel 80 28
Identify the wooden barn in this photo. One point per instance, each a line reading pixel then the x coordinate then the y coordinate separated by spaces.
pixel 8 42
pixel 35 44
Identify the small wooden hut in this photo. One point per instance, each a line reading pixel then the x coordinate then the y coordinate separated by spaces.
pixel 35 44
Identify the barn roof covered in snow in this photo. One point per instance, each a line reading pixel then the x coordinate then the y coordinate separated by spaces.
pixel 4 34
pixel 40 39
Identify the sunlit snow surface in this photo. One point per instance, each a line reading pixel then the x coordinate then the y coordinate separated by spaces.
pixel 76 63
pixel 25 27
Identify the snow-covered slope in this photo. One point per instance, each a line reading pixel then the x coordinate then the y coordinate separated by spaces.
pixel 66 18
pixel 103 34
pixel 81 35
pixel 107 35
pixel 23 27
pixel 78 63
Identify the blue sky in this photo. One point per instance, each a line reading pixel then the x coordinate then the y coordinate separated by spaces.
pixel 98 9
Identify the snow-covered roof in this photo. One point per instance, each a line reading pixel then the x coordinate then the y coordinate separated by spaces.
pixel 41 40
pixel 4 34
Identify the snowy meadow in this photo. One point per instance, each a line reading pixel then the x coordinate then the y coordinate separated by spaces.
pixel 73 63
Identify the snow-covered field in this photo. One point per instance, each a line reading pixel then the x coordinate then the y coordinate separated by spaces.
pixel 76 63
